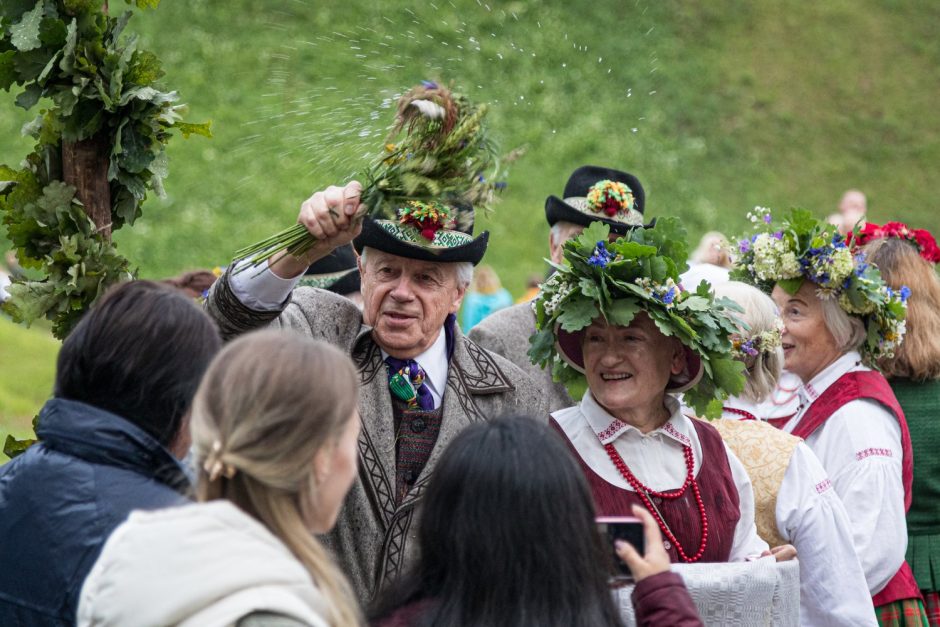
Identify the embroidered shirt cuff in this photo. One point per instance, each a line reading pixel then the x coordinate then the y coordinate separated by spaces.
pixel 259 288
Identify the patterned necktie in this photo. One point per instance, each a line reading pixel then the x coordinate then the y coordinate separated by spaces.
pixel 406 382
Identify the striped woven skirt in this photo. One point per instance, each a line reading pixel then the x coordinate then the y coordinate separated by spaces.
pixel 903 613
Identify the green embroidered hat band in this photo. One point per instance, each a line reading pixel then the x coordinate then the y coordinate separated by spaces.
pixel 427 231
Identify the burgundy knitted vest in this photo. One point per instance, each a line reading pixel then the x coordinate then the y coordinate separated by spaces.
pixel 719 496
pixel 416 434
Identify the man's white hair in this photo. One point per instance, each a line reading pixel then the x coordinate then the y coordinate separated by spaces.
pixel 464 268
pixel 563 231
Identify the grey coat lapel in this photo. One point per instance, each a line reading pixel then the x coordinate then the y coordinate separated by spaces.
pixel 377 437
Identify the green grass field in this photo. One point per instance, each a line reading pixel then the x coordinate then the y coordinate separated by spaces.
pixel 717 106
pixel 27 368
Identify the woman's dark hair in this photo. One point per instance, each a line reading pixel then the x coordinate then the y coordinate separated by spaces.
pixel 140 353
pixel 507 536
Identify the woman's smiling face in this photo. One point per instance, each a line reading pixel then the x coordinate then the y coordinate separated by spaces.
pixel 808 345
pixel 628 368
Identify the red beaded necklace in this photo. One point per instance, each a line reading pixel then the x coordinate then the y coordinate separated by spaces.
pixel 644 493
pixel 745 414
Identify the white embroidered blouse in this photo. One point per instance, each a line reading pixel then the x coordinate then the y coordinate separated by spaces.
pixel 656 459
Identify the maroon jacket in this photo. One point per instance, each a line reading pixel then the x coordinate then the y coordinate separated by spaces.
pixel 660 599
pixel 663 599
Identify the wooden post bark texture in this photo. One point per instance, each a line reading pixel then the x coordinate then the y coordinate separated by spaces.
pixel 85 167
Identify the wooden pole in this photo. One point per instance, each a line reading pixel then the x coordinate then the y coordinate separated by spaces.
pixel 85 167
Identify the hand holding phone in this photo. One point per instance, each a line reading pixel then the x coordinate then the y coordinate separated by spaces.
pixel 651 559
pixel 627 529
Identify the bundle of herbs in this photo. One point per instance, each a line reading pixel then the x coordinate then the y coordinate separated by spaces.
pixel 438 150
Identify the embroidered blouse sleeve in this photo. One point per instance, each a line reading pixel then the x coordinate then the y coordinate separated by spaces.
pixel 833 590
pixel 871 487
pixel 747 544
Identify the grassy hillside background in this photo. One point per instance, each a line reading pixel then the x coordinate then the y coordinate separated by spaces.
pixel 716 106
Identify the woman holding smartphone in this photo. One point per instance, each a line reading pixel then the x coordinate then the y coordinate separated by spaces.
pixel 508 538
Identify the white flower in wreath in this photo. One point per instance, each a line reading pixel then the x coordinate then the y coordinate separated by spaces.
pixel 773 260
pixel 841 265
pixel 429 109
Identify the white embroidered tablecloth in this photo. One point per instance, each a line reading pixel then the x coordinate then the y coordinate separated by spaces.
pixel 748 594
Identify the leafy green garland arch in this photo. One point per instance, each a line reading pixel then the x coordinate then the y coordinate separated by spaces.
pixel 99 150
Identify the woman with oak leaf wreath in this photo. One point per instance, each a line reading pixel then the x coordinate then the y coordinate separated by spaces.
pixel 614 319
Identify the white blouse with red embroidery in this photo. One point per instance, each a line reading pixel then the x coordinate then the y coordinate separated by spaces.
pixel 655 458
pixel 860 448
pixel 811 516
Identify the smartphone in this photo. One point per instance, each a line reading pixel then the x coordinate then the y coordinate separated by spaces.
pixel 628 529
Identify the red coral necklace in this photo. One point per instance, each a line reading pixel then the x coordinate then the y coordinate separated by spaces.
pixel 745 414
pixel 645 492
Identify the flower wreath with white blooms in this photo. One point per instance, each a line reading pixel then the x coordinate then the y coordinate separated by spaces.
pixel 801 248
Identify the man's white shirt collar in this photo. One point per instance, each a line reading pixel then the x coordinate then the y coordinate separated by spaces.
pixel 434 363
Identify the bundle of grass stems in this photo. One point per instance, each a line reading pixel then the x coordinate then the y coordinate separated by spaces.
pixel 442 154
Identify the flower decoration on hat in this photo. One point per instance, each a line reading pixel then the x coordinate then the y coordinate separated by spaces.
pixel 802 248
pixel 614 281
pixel 427 217
pixel 921 238
pixel 610 198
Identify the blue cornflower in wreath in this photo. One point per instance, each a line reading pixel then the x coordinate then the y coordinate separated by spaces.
pixel 601 256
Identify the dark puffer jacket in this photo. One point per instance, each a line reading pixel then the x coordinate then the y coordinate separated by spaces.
pixel 61 499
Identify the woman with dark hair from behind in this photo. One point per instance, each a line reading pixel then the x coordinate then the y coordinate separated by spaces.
pixel 907 257
pixel 110 441
pixel 508 538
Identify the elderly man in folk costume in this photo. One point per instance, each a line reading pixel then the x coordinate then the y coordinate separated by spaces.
pixel 507 332
pixel 422 380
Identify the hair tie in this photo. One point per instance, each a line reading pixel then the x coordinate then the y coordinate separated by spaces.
pixel 214 466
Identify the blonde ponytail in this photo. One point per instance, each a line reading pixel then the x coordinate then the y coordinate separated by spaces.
pixel 268 403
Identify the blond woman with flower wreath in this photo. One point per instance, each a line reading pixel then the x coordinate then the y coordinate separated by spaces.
pixel 794 501
pixel 274 430
pixel 839 319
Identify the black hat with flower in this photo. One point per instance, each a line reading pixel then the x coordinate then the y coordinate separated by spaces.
pixel 600 194
pixel 425 230
pixel 801 248
pixel 616 280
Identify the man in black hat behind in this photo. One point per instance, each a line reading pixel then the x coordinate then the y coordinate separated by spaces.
pixel 592 194
pixel 338 272
pixel 422 380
